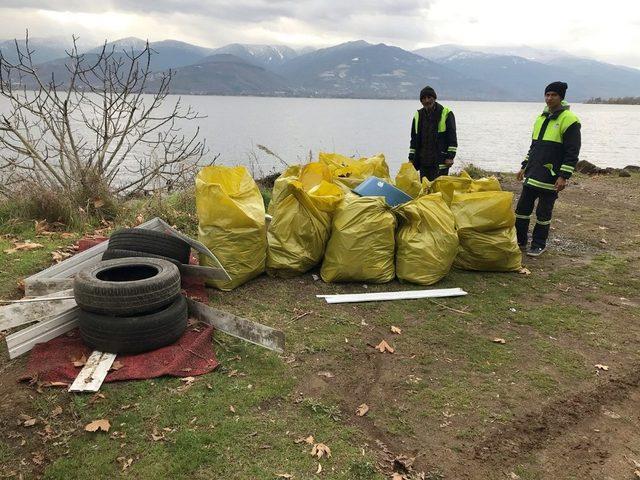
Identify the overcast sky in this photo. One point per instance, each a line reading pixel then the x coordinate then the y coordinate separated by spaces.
pixel 607 30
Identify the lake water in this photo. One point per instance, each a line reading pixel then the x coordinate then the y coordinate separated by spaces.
pixel 491 135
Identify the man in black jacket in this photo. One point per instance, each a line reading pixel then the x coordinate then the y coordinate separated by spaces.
pixel 551 160
pixel 433 137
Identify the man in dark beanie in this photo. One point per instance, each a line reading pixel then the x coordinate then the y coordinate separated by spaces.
pixel 551 160
pixel 433 137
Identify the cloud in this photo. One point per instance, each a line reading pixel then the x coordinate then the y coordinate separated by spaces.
pixel 572 25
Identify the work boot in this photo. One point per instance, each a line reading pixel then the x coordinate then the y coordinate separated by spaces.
pixel 536 251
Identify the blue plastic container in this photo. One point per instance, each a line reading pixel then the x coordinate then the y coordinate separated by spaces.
pixel 376 187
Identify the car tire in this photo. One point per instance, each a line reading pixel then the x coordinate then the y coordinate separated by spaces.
pixel 112 253
pixel 134 334
pixel 150 241
pixel 127 286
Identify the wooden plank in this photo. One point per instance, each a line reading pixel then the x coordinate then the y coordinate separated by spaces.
pixel 238 327
pixel 45 286
pixel 22 313
pixel 400 295
pixel 93 373
pixel 43 331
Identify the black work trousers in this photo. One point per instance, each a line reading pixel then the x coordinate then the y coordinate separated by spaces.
pixel 432 172
pixel 544 210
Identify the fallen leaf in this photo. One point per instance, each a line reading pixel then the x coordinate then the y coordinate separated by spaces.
pixel 30 422
pixel 362 410
pixel 610 414
pixel 383 346
pixel 117 365
pixel 41 227
pixel 98 203
pixel 395 330
pixel 102 424
pixel 397 476
pixel 232 409
pixel 157 436
pixel 326 374
pixel 637 473
pixel 26 246
pixel 320 450
pixel 56 411
pixel 125 462
pixel 602 240
pixel 310 440
pixel 319 469
pixel 284 475
pixel 499 340
pixel 79 362
pixel 602 367
pixel 37 458
pixel 139 219
pixel 524 271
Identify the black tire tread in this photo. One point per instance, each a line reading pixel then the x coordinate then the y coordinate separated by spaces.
pixel 137 333
pixel 127 298
pixel 151 241
pixel 112 253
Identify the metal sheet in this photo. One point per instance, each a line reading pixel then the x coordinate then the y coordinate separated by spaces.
pixel 238 327
pixel 24 340
pixel 22 313
pixel 93 373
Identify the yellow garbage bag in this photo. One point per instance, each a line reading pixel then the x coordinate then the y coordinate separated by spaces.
pixel 486 230
pixel 408 180
pixel 449 184
pixel 492 251
pixel 485 184
pixel 352 172
pixel 426 240
pixel 231 222
pixel 362 243
pixel 300 228
pixel 280 186
pixel 483 211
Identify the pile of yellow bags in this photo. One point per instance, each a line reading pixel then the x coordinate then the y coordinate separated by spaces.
pixel 301 224
pixel 231 223
pixel 486 229
pixel 315 218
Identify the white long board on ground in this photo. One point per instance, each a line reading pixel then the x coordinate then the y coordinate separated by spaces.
pixel 93 373
pixel 399 295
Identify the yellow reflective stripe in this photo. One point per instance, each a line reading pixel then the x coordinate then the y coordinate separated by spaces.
pixel 536 183
pixel 524 217
pixel 550 167
pixel 452 149
pixel 541 222
pixel 412 150
pixel 415 121
pixel 567 168
pixel 442 124
pixel 442 166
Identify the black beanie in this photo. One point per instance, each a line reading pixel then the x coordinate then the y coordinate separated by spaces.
pixel 428 92
pixel 559 87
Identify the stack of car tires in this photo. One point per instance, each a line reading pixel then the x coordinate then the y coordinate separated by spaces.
pixel 131 301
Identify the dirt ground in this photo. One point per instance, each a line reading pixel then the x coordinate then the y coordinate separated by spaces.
pixel 450 403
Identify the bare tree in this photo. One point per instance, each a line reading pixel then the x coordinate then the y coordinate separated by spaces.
pixel 101 121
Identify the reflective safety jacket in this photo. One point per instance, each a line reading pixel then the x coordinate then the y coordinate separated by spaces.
pixel 554 150
pixel 444 137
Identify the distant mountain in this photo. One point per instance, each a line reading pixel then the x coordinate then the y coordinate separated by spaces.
pixel 267 56
pixel 360 69
pixel 225 74
pixel 166 54
pixel 44 49
pixel 524 79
